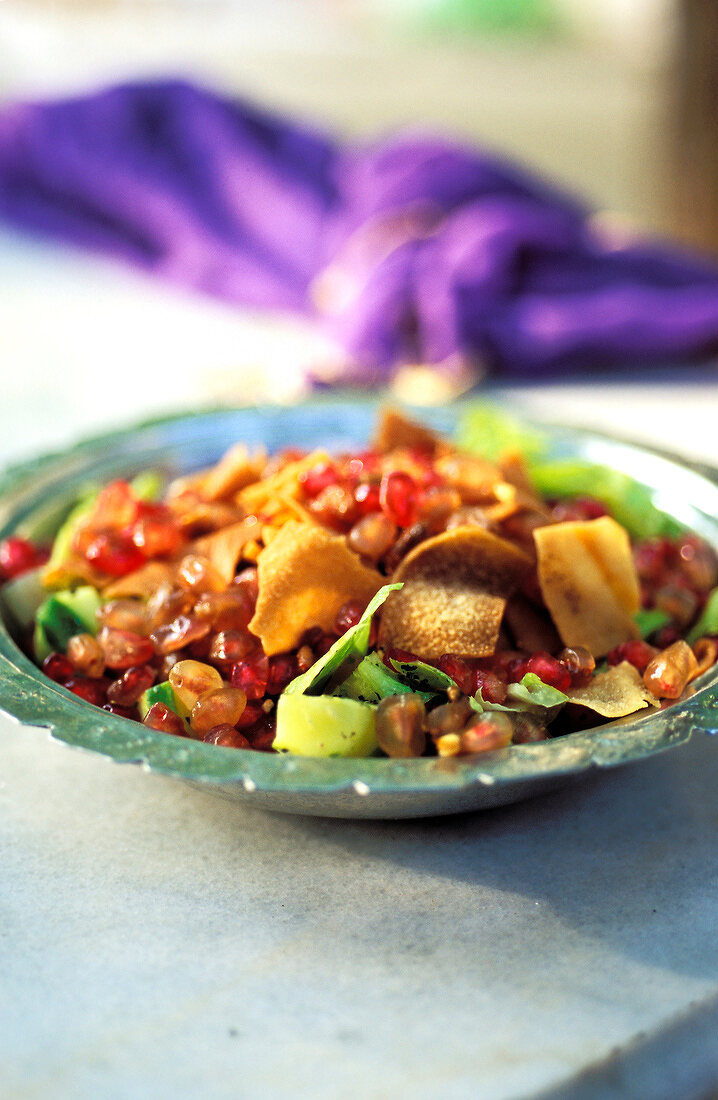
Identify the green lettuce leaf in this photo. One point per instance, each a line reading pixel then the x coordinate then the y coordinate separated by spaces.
pixel 339 662
pixel 708 621
pixel 530 696
pixel 650 619
pixel 422 677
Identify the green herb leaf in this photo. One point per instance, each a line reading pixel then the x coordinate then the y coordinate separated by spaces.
pixel 708 621
pixel 340 661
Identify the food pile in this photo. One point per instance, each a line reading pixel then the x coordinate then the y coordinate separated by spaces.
pixel 411 599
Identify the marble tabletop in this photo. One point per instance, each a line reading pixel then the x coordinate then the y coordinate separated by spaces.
pixel 157 941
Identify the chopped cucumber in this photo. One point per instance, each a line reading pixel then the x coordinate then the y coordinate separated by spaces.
pixel 323 725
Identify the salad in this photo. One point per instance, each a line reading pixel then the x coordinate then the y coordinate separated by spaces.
pixel 420 597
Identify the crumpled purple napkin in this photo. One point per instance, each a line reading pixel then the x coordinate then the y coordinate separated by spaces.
pixel 412 249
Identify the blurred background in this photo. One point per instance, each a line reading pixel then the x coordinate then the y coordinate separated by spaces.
pixel 613 99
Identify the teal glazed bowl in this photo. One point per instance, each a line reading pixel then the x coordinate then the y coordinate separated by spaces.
pixel 35 497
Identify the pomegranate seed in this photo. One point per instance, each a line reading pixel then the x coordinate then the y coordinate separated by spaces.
pixel 131 684
pixel 86 654
pixel 491 686
pixel 123 648
pixel 17 556
pixel 282 670
pixel 666 636
pixel 400 725
pixel 91 690
pixel 251 674
pixel 348 615
pixel 114 553
pixel 58 668
pixel 549 670
pixel 372 536
pixel 231 645
pixel 401 656
pixel 516 669
pixel 224 706
pixel 449 717
pixel 156 538
pixel 166 603
pixel 367 497
pixel 319 478
pixel 251 714
pixel 637 653
pixel 651 558
pixel 488 732
pixel 581 508
pixel 698 563
pixel 197 574
pixel 122 712
pixel 248 580
pixel 115 507
pixel 579 663
pixel 227 736
pixel 228 610
pixel 669 671
pixel 191 680
pixel 460 671
pixel 335 507
pixel 160 717
pixel 182 631
pixel 262 737
pixel 400 498
pixel 408 539
pixel 123 615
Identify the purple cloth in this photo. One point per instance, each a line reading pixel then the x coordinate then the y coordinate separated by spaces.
pixel 413 249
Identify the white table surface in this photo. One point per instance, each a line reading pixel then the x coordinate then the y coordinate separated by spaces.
pixel 156 941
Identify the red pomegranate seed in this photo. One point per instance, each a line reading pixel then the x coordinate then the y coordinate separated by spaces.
pixel 58 668
pixel 282 670
pixel 248 581
pixel 348 615
pixel 367 497
pixel 335 506
pixel 666 636
pixel 549 670
pixel 637 653
pixel 228 610
pixel 17 556
pixel 116 506
pixel 400 497
pixel 516 669
pixel 114 553
pixel 320 477
pixel 123 712
pixel 227 736
pixel 160 717
pixel 460 671
pixel 651 558
pixel 251 674
pixel 401 656
pixel 581 508
pixel 491 686
pixel 123 648
pixel 182 631
pixel 251 714
pixel 156 537
pixel 127 689
pixel 91 690
pixel 231 645
pixel 579 663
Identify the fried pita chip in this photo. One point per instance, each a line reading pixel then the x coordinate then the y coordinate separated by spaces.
pixel 236 469
pixel 614 693
pixel 454 594
pixel 475 479
pixel 305 575
pixel 588 581
pixel 224 547
pixel 397 431
pixel 280 485
pixel 531 628
pixel 143 581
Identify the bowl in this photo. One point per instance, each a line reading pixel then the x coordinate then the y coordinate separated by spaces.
pixel 35 496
